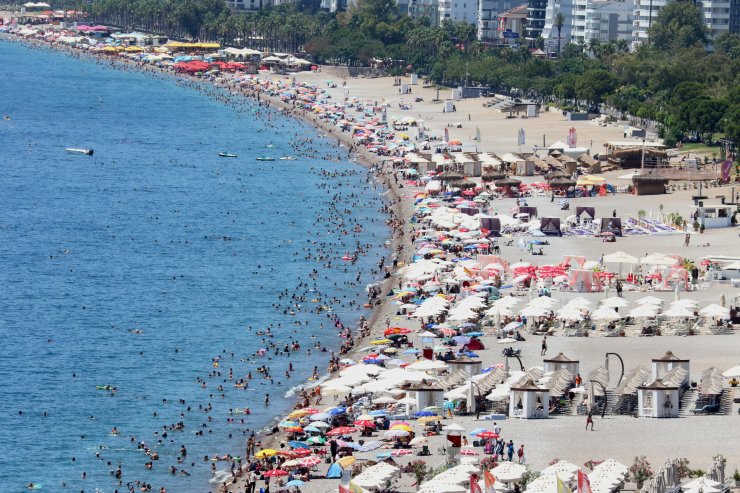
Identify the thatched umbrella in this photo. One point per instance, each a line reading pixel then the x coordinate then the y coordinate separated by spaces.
pixel 464 184
pixel 562 182
pixel 507 183
pixel 449 176
pixel 493 176
pixel 553 175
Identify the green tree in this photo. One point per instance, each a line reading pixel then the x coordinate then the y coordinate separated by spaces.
pixel 679 24
pixel 594 84
pixel 731 123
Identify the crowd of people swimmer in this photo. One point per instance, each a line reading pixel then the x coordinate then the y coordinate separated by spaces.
pixel 333 241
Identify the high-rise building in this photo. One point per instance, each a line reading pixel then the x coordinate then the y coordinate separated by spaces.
pixel 459 11
pixel 735 16
pixel 421 8
pixel 550 30
pixel 489 12
pixel 535 18
pixel 645 13
pixel 717 16
pixel 605 20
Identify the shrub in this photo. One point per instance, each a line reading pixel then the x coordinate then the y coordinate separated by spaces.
pixel 640 469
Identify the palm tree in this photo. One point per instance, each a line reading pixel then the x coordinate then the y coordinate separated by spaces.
pixel 559 21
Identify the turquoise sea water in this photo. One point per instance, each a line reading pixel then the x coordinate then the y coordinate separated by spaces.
pixel 156 233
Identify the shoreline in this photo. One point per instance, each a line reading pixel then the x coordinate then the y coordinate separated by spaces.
pixel 399 246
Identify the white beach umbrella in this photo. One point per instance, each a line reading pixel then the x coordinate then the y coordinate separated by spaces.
pixel 678 312
pixel 605 314
pixel 548 482
pixel 644 311
pixel 658 259
pixel 579 302
pixel 571 314
pixel 615 302
pixel 427 365
pixel 454 427
pixel 733 372
pixel 649 300
pixel 610 465
pixel 508 472
pixel 715 311
pixel 703 484
pixel 688 303
pixel 562 466
pixel 620 258
pixel 544 301
pixel 507 301
pixel 384 400
pixel 534 311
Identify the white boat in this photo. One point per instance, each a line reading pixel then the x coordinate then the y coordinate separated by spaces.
pixel 287 158
pixel 73 150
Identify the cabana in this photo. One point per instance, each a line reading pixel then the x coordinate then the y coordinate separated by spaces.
pixel 585 214
pixel 584 281
pixel 663 365
pixel 491 224
pixel 426 394
pixel 559 362
pixel 528 210
pixel 714 216
pixel 528 401
pixel 469 366
pixel 611 225
pixel 550 226
pixel 657 400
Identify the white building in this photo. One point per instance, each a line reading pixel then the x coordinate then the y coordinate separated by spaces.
pixel 717 16
pixel 458 10
pixel 550 31
pixel 604 20
pixel 421 8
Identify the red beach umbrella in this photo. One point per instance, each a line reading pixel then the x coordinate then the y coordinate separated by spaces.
pixel 275 473
pixel 342 430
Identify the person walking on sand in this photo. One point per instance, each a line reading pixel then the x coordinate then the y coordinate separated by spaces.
pixel 687 239
pixel 590 419
pixel 510 450
pixel 544 346
pixel 520 454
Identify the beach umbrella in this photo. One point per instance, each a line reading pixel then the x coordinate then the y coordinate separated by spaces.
pixel 422 414
pixel 429 419
pixel 316 440
pixel 733 372
pixel 268 452
pixel 605 314
pixel 320 417
pixel 320 424
pixel 396 433
pixel 402 426
pixel 564 469
pixel 401 452
pixel 310 461
pixel 487 434
pixel 287 424
pixel 293 429
pixel 614 302
pixel 678 312
pixel 508 472
pixel 274 473
pixel 341 430
pixel 295 482
pixel 467 451
pixel 346 461
pixel 649 300
pixel 715 311
pixel 297 444
pixel 416 441
pixel 644 311
pixel 311 429
pixel 365 423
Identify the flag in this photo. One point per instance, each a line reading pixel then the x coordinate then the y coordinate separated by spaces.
pixel 562 487
pixel 474 486
pixel 447 134
pixel 522 139
pixel 477 135
pixel 572 137
pixel 489 480
pixel 584 485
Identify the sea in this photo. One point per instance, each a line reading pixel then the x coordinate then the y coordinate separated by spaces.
pixel 156 266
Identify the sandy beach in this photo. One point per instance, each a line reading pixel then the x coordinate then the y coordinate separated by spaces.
pixel 697 438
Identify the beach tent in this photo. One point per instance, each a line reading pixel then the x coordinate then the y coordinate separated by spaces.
pixel 528 210
pixel 334 472
pixel 611 225
pixel 550 226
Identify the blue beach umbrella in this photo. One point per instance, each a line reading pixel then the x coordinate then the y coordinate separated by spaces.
pixel 383 455
pixel 297 444
pixel 295 482
pixel 421 414
pixel 475 432
pixel 474 334
pixel 411 351
pixel 378 412
pixel 337 410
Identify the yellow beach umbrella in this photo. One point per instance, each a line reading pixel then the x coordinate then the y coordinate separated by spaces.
pixel 268 452
pixel 346 461
pixel 402 427
pixel 298 413
pixel 428 419
pixel 381 341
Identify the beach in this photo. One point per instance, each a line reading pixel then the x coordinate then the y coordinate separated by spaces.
pixel 563 436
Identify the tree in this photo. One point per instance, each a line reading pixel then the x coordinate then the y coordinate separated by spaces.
pixel 731 123
pixel 679 24
pixel 706 115
pixel 594 84
pixel 558 22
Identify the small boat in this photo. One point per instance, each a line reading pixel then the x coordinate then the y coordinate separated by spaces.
pixel 287 158
pixel 226 154
pixel 265 158
pixel 73 150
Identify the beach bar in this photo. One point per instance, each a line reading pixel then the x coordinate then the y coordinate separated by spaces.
pixel 658 400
